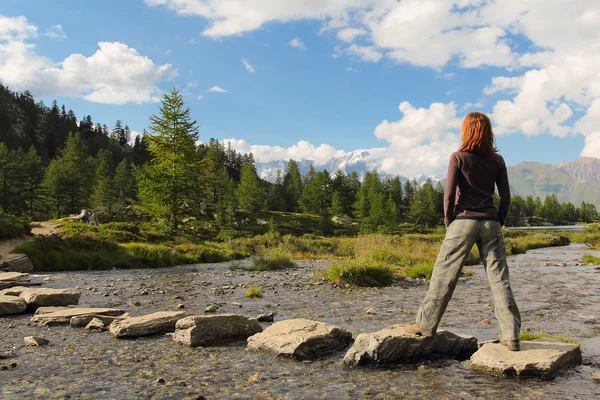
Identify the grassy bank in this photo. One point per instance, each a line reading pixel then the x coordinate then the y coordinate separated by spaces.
pixel 361 260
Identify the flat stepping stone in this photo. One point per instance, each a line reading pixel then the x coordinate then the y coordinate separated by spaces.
pixel 541 357
pixel 394 345
pixel 39 297
pixel 12 279
pixel 10 305
pixel 48 310
pixel 83 321
pixel 214 329
pixel 63 317
pixel 301 338
pixel 13 291
pixel 16 263
pixel 151 324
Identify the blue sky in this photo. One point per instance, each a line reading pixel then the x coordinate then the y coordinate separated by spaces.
pixel 321 79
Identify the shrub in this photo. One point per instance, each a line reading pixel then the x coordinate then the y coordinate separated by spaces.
pixel 254 292
pixel 360 273
pixel 423 270
pixel 271 260
pixel 122 226
pixel 12 227
pixel 590 259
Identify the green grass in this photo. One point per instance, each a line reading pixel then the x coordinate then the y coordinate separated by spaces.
pixel 423 270
pixel 534 335
pixel 360 273
pixel 254 292
pixel 13 227
pixel 590 259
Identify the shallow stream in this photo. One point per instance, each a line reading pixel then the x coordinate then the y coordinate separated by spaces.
pixel 82 365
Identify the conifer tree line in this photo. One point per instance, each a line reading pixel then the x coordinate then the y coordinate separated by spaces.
pixel 51 165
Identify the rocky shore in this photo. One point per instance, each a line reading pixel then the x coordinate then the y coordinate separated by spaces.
pixel 91 363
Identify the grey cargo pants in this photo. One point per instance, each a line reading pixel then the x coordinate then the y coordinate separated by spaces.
pixel 461 235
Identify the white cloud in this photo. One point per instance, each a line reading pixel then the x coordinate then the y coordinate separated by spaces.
pixel 351 69
pixel 56 32
pixel 349 34
pixel 419 143
pixel 217 89
pixel 365 53
pixel 201 97
pixel 114 74
pixel 248 66
pixel 297 43
pixel 192 84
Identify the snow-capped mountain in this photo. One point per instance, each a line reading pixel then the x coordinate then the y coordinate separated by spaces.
pixel 356 161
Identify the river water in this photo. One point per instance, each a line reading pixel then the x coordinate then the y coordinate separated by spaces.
pixel 82 365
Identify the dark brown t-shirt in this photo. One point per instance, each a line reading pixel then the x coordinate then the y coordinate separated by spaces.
pixel 470 187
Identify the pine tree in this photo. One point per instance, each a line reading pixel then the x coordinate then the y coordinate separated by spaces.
pixel 33 174
pixel 69 178
pixel 124 184
pixel 423 212
pixel 5 172
pixel 104 194
pixel 292 186
pixel 250 193
pixel 170 186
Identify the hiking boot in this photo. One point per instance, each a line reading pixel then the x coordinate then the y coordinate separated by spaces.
pixel 512 345
pixel 415 329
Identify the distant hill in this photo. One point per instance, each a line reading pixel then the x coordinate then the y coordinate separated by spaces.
pixel 574 181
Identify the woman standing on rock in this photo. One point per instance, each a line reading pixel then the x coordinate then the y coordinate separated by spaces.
pixel 472 218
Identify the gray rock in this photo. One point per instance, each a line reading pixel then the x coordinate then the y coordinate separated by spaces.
pixel 159 322
pixel 10 305
pixel 542 357
pixel 13 291
pixel 16 263
pixel 83 321
pixel 394 345
pixel 12 279
pixel 64 316
pixel 35 341
pixel 50 297
pixel 301 338
pixel 214 329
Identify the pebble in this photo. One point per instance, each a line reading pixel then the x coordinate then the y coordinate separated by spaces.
pixel 370 311
pixel 35 341
pixel 211 308
pixel 235 303
pixel 180 306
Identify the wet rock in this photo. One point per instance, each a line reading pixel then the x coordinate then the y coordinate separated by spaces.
pixel 301 338
pixel 16 263
pixel 542 357
pixel 10 305
pixel 63 317
pixel 35 341
pixel 211 308
pixel 50 297
pixel 394 345
pixel 269 317
pixel 214 329
pixel 159 322
pixel 83 321
pixel 13 291
pixel 12 279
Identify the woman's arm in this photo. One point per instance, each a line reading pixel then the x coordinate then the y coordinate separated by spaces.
pixel 450 192
pixel 504 192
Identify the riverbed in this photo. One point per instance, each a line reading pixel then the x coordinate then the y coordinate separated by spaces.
pixel 83 365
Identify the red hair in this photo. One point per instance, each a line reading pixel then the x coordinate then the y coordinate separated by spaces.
pixel 477 134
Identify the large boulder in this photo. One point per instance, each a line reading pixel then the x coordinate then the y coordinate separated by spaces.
pixel 16 263
pixel 159 322
pixel 542 357
pixel 12 279
pixel 63 317
pixel 10 305
pixel 394 345
pixel 50 297
pixel 301 338
pixel 214 329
